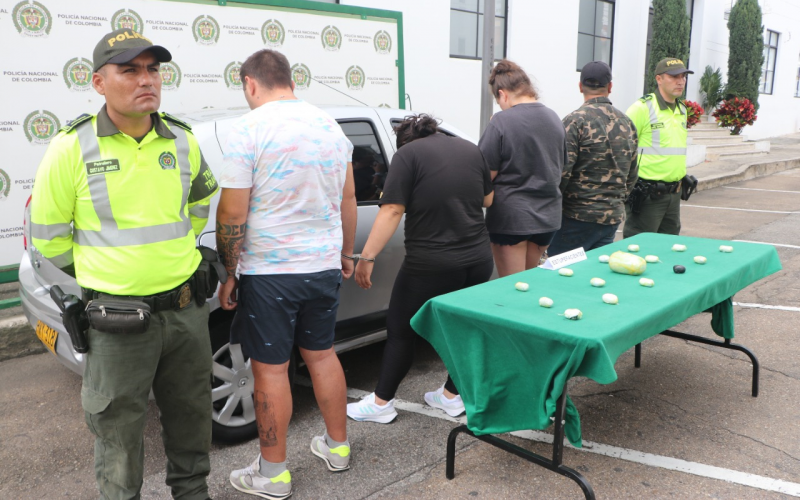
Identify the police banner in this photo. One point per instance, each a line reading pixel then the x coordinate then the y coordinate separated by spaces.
pixel 339 55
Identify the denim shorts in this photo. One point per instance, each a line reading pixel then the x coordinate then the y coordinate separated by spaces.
pixel 278 311
pixel 541 239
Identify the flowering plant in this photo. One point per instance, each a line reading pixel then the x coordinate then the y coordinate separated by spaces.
pixel 694 111
pixel 735 113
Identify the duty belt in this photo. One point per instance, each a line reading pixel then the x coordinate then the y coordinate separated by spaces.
pixel 171 300
pixel 661 187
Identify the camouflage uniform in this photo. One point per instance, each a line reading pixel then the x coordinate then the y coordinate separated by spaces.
pixel 600 170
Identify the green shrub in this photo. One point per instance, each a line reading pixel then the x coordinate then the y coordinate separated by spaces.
pixel 670 36
pixel 711 88
pixel 746 44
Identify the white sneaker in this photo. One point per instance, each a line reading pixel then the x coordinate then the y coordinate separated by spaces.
pixel 367 410
pixel 453 407
pixel 249 480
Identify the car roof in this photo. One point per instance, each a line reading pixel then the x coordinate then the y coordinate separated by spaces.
pixel 337 111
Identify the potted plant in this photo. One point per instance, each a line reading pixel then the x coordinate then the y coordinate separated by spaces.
pixel 736 113
pixel 712 90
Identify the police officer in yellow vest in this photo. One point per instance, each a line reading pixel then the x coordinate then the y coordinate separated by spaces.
pixel 118 201
pixel 660 120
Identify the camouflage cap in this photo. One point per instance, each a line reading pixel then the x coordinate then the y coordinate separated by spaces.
pixel 596 74
pixel 672 66
pixel 124 45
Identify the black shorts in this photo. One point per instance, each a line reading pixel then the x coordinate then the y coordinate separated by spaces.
pixel 541 239
pixel 277 311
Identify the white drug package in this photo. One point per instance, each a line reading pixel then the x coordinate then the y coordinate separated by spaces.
pixel 610 298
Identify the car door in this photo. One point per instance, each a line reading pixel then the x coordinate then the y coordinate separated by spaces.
pixel 358 306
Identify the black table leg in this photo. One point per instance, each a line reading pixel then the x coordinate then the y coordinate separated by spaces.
pixel 553 465
pixel 637 361
pixel 726 344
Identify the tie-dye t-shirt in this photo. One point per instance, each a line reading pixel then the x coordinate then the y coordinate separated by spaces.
pixel 293 157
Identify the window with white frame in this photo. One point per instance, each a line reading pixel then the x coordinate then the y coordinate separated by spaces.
pixel 466 29
pixel 595 31
pixel 770 55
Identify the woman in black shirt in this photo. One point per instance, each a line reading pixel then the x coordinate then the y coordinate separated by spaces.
pixel 525 147
pixel 441 184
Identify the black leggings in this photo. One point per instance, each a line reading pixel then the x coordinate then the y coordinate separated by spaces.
pixel 409 294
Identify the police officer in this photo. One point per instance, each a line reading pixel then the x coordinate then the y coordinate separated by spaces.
pixel 600 169
pixel 660 120
pixel 119 199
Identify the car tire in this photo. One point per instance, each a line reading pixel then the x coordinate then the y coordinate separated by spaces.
pixel 233 410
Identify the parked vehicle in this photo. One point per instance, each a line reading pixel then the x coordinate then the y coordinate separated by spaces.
pixel 361 318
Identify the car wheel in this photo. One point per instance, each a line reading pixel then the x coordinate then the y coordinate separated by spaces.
pixel 233 416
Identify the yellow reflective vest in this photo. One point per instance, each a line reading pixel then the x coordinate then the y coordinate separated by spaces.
pixel 126 213
pixel 662 138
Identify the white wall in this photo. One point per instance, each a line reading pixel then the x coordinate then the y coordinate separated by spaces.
pixel 779 113
pixel 542 38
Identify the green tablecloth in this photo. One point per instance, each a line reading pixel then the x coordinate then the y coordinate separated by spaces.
pixel 510 358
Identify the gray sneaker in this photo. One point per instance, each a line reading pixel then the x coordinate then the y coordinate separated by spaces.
pixel 249 480
pixel 337 459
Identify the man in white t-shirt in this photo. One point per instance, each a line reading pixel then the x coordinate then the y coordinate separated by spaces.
pixel 287 220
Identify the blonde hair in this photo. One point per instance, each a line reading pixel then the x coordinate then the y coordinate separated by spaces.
pixel 511 78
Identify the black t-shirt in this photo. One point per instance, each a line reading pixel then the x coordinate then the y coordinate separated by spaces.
pixel 441 181
pixel 527 146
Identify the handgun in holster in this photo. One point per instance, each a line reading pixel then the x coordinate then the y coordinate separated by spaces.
pixel 688 186
pixel 638 195
pixel 209 274
pixel 73 315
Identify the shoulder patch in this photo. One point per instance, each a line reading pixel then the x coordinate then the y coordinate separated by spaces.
pixel 646 97
pixel 71 124
pixel 182 124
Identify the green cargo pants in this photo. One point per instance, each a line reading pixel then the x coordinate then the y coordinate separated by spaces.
pixel 174 358
pixel 660 215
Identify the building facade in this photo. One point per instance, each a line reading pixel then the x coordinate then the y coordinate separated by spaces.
pixel 552 40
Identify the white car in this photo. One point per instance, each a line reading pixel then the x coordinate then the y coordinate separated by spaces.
pixel 361 318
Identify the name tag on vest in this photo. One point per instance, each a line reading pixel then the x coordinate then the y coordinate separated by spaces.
pixel 102 167
pixel 657 125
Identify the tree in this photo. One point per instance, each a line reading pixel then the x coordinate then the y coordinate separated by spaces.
pixel 670 35
pixel 746 56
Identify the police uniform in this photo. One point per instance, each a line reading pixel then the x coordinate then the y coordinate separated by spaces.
pixel 600 169
pixel 126 214
pixel 662 135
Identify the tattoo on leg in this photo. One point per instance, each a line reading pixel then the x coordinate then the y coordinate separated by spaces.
pixel 265 418
pixel 229 244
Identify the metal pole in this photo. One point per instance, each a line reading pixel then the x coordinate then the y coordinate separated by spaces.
pixel 487 99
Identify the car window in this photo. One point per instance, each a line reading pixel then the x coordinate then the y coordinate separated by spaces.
pixel 369 160
pixel 396 121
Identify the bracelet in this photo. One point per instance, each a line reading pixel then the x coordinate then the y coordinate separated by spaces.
pixel 349 257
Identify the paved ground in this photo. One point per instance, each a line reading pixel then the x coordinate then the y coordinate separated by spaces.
pixel 687 402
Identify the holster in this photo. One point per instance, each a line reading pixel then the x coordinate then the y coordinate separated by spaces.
pixel 208 275
pixel 111 315
pixel 688 186
pixel 637 196
pixel 73 316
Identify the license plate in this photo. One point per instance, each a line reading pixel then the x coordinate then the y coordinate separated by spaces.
pixel 47 335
